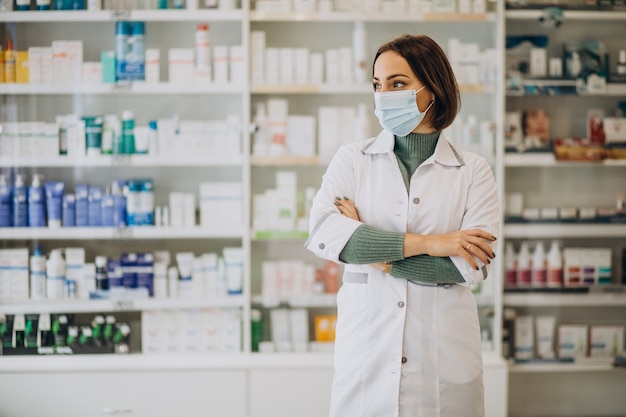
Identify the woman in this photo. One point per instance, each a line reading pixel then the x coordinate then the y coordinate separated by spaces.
pixel 414 221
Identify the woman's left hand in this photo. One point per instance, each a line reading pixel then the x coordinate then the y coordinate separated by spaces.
pixel 347 208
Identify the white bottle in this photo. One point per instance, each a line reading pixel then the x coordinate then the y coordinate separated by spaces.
pixel 37 275
pixel 524 266
pixel 55 275
pixel 539 267
pixel 89 280
pixel 359 52
pixel 575 65
pixel 510 262
pixel 555 266
pixel 260 145
pixel 203 48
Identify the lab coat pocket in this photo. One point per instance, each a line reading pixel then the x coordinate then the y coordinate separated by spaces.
pixel 352 314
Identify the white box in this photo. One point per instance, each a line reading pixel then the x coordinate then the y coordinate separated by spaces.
pixel 301 135
pixel 572 341
pixel 524 337
pixel 237 65
pixel 153 65
pixel 152 332
pixel 220 64
pixel 181 65
pixel 606 341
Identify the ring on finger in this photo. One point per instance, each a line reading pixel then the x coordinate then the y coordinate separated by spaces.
pixel 468 247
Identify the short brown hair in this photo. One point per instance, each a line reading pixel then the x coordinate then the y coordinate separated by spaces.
pixel 430 64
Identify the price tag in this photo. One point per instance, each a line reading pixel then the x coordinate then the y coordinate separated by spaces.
pixel 122 87
pixel 121 160
pixel 121 13
pixel 122 233
pixel 123 305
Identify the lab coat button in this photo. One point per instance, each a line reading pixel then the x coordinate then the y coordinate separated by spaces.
pixel 416 200
pixel 404 359
pixel 322 246
pixel 405 374
pixel 400 304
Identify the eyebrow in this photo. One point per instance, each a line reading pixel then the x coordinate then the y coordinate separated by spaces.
pixel 393 76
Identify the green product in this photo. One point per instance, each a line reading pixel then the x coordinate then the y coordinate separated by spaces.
pixel 128 132
pixel 256 329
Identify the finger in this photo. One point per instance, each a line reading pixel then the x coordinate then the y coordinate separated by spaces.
pixel 483 247
pixel 477 252
pixel 467 257
pixel 481 233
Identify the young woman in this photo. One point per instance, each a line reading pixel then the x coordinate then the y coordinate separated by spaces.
pixel 414 221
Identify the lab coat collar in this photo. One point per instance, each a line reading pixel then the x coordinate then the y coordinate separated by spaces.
pixel 445 153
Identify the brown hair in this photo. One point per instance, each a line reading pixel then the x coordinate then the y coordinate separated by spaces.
pixel 430 64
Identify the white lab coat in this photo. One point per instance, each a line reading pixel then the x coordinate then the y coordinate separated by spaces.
pixel 404 349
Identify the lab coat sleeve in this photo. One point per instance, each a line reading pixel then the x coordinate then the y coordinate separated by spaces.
pixel 481 212
pixel 329 231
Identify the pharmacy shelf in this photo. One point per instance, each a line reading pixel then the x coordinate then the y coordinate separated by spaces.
pixel 580 365
pixel 263 161
pixel 181 361
pixel 117 305
pixel 348 89
pixel 258 16
pixel 120 89
pixel 568 15
pixel 75 16
pixel 303 301
pixel 529 160
pixel 279 235
pixel 534 299
pixel 560 230
pixel 611 89
pixel 108 161
pixel 106 233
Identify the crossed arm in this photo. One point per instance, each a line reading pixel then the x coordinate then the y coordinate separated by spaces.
pixel 421 257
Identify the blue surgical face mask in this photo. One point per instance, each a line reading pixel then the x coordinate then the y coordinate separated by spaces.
pixel 397 111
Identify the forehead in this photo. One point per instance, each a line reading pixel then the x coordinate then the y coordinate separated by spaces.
pixel 391 63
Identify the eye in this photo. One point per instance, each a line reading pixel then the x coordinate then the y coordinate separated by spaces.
pixel 376 86
pixel 398 84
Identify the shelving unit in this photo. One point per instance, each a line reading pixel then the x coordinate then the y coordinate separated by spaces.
pixel 547 182
pixel 239 378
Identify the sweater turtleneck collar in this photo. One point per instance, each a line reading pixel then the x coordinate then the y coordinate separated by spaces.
pixel 420 145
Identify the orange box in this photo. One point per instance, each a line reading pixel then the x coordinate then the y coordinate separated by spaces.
pixel 325 328
pixel 21 67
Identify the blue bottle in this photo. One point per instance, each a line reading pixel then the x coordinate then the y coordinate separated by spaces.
pixel 119 203
pixel 94 206
pixel 69 211
pixel 5 202
pixel 19 203
pixel 81 193
pixel 108 208
pixel 36 203
pixel 122 33
pixel 136 58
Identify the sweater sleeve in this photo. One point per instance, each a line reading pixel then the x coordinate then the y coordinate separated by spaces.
pixel 369 245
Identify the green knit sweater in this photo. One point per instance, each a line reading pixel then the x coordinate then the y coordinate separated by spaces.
pixel 369 245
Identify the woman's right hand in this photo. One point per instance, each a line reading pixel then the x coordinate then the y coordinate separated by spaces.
pixel 468 244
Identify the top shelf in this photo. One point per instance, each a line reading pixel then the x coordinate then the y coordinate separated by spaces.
pixel 568 15
pixel 367 17
pixel 168 15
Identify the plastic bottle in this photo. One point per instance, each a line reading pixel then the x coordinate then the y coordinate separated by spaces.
pixel 37 275
pixel 524 266
pixel 36 203
pixel 102 282
pixel 153 138
pixel 539 273
pixel 621 62
pixel 128 132
pixel 211 4
pixel 203 51
pixel 119 204
pixel 260 145
pixel 136 58
pixel 19 203
pixel 5 202
pixel 55 275
pixel 510 262
pixel 122 33
pixel 359 43
pixel 9 62
pixel 574 65
pixel 555 266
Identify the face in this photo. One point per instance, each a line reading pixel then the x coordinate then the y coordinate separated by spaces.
pixel 393 73
pixel 537 124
